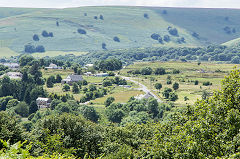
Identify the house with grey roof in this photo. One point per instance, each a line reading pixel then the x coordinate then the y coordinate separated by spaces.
pixel 71 79
pixel 13 66
pixel 13 75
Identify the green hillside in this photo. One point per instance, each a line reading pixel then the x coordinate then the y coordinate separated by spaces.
pixel 234 42
pixel 213 25
pixel 17 27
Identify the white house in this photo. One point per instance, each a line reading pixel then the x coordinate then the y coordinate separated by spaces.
pixel 53 66
pixel 43 102
pixel 102 75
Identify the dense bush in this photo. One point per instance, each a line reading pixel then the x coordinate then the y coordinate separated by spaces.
pixel 173 31
pixel 81 31
pixel 116 39
pixel 35 37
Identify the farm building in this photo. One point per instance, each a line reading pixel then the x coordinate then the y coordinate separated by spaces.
pixel 72 78
pixel 43 102
pixel 102 75
pixel 13 75
pixel 53 66
pixel 13 66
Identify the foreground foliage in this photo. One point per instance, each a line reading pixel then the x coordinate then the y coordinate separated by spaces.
pixel 209 129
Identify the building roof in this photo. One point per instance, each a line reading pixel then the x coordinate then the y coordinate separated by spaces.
pixel 53 65
pixel 43 99
pixel 148 95
pixel 75 77
pixel 10 64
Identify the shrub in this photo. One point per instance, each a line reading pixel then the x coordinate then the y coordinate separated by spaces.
pixel 66 88
pixel 35 37
pixel 175 86
pixel 160 71
pixel 173 96
pixel 81 31
pixel 116 39
pixel 196 82
pixel 101 17
pixel 146 16
pixel 196 35
pixel 207 83
pixel 44 33
pixel 29 48
pixel 146 71
pixel 166 38
pixel 164 12
pixel 173 31
pixel 104 46
pixel 175 71
pixel 155 36
pixel 40 48
pixel 109 101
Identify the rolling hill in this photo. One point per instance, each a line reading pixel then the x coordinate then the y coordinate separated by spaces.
pixel 132 25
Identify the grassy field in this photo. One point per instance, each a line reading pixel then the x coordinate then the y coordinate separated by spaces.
pixel 17 27
pixel 190 72
pixel 56 53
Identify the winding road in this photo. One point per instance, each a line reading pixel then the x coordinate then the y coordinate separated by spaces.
pixel 143 88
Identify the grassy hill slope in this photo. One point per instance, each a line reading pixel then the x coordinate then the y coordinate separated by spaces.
pixel 208 23
pixel 17 27
pixel 127 23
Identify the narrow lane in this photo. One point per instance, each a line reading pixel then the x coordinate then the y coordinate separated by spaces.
pixel 143 88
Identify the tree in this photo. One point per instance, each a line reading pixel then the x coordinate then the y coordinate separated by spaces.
pixel 107 83
pixel 22 109
pixel 146 16
pixel 10 129
pixel 175 86
pixel 173 31
pixel 116 39
pixel 104 46
pixel 81 31
pixel 25 60
pixel 58 78
pixel 166 92
pixel 50 81
pixel 40 48
pixel 152 106
pixel 173 96
pixel 29 48
pixel 175 71
pixel 101 17
pixel 35 37
pixel 75 88
pixel 146 71
pixel 158 86
pixel 155 36
pixel 115 115
pixel 166 38
pixel 109 101
pixel 205 95
pixel 196 82
pixel 160 71
pixel 89 113
pixel 44 33
pixel 66 88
